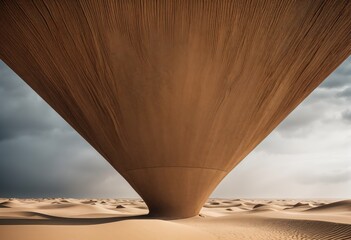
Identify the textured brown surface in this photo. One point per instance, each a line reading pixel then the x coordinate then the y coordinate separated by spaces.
pixel 174 94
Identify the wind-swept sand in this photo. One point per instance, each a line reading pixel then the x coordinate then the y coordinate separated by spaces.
pixel 219 219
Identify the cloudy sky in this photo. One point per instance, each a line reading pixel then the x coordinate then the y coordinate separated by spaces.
pixel 307 156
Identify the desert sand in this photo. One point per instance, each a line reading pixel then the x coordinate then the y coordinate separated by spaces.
pixel 59 218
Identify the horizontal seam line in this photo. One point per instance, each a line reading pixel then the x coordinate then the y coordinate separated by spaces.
pixel 176 167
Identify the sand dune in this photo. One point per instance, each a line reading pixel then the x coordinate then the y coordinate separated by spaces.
pixel 341 206
pixel 219 219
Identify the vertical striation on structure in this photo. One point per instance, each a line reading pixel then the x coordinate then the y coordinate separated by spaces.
pixel 174 94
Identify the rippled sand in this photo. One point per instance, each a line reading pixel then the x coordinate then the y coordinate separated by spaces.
pixel 219 219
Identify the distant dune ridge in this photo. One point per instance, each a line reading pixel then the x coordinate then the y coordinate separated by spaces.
pixel 174 94
pixel 225 219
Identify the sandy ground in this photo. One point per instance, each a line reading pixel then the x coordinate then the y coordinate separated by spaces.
pixel 219 219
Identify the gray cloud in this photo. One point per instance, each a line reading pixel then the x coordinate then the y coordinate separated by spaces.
pixel 22 111
pixel 341 77
pixel 346 93
pixel 300 124
pixel 41 155
pixel 346 115
pixel 327 177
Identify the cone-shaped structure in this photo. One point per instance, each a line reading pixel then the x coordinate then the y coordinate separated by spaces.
pixel 174 94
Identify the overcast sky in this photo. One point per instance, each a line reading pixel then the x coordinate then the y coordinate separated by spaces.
pixel 307 156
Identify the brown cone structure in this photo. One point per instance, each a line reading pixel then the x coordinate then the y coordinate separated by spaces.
pixel 174 94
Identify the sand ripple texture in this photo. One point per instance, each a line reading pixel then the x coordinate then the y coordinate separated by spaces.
pixel 59 218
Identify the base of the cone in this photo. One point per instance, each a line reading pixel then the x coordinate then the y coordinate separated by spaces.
pixel 175 214
pixel 175 192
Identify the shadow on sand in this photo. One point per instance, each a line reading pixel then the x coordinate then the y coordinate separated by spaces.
pixel 54 220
